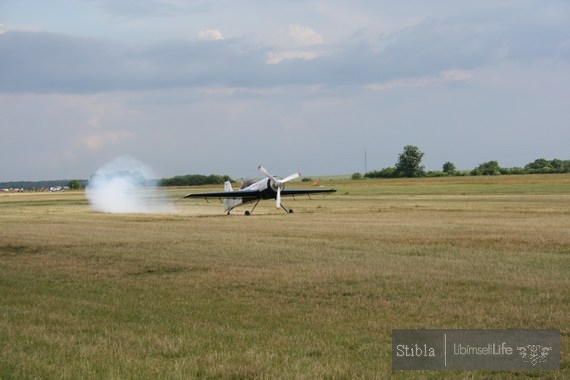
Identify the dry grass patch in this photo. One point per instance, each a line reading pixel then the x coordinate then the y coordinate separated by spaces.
pixel 312 294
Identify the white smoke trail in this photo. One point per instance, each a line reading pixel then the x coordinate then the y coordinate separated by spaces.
pixel 125 185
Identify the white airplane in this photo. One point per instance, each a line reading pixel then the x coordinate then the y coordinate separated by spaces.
pixel 250 191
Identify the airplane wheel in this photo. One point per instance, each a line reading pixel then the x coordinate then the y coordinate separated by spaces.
pixel 247 213
pixel 290 211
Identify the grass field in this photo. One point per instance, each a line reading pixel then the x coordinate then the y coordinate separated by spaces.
pixel 314 294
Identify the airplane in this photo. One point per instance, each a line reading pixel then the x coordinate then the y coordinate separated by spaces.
pixel 250 191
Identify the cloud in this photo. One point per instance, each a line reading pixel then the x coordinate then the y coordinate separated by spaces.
pixel 304 36
pixel 61 63
pixel 56 62
pixel 443 77
pixel 298 43
pixel 97 140
pixel 148 8
pixel 210 35
pixel 456 75
pixel 470 40
pixel 279 56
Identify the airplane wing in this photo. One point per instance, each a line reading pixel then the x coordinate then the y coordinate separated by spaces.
pixel 255 194
pixel 251 194
pixel 286 192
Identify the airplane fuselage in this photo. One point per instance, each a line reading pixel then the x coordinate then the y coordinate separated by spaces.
pixel 265 188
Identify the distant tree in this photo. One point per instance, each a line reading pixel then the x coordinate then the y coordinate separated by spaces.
pixel 194 180
pixel 449 168
pixel 388 172
pixel 539 164
pixel 409 162
pixel 487 168
pixel 435 173
pixel 356 176
pixel 74 184
pixel 559 165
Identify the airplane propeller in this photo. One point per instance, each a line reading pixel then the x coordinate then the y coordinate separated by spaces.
pixel 278 184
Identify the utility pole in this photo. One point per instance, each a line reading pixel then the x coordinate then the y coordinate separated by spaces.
pixel 365 163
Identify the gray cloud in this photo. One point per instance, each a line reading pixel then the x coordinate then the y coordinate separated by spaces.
pixel 54 62
pixel 470 41
pixel 36 61
pixel 151 8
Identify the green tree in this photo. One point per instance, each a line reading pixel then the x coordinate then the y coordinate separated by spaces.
pixel 540 164
pixel 194 180
pixel 487 168
pixel 449 168
pixel 74 185
pixel 388 172
pixel 409 162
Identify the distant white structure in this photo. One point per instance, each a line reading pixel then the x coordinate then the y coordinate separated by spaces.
pixel 18 190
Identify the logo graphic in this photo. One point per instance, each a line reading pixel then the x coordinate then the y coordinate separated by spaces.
pixel 476 349
pixel 534 353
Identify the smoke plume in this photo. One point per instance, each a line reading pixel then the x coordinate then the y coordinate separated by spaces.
pixel 125 185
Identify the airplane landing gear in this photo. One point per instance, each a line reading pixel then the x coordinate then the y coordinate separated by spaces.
pixel 247 212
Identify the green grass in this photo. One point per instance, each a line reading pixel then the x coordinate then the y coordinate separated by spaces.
pixel 199 294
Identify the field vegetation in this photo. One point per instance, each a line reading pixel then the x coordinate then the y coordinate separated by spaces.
pixel 314 294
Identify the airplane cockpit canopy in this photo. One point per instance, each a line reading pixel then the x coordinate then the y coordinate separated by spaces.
pixel 246 183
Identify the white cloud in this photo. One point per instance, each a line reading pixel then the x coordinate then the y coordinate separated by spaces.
pixel 444 76
pixel 2 29
pixel 98 140
pixel 210 35
pixel 297 43
pixel 277 57
pixel 304 36
pixel 402 83
pixel 456 75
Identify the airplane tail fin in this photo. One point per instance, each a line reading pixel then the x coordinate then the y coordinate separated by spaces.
pixel 230 203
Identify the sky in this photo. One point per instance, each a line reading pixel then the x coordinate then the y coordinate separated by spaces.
pixel 320 87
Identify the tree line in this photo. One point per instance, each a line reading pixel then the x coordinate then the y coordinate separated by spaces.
pixel 44 185
pixel 409 165
pixel 195 180
pixel 184 180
